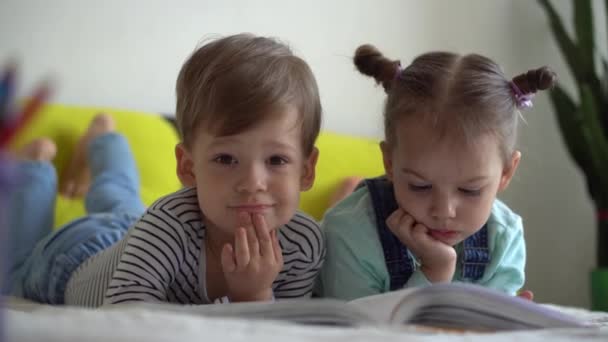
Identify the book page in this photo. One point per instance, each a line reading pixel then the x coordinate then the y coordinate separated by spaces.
pixel 468 306
pixel 309 311
pixel 380 307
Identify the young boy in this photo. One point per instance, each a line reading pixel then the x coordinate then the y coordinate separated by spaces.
pixel 248 112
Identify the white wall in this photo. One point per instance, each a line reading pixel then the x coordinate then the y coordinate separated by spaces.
pixel 127 54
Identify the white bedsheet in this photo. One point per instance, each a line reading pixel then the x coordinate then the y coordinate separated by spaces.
pixel 31 322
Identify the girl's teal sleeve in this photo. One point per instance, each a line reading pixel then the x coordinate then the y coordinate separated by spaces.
pixel 354 263
pixel 505 272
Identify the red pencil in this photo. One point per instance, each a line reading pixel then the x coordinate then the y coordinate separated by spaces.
pixel 30 109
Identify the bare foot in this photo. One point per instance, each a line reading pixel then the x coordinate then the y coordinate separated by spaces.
pixel 41 149
pixel 76 178
pixel 347 186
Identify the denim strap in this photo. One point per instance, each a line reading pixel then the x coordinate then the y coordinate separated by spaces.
pixel 399 264
pixel 475 254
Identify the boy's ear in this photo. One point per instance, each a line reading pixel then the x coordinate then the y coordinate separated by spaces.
pixel 309 172
pixel 185 166
pixel 509 171
pixel 387 159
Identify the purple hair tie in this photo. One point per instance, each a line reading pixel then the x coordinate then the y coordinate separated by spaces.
pixel 522 100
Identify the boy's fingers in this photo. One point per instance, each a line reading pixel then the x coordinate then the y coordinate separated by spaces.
pixel 252 241
pixel 227 259
pixel 276 248
pixel 246 222
pixel 241 248
pixel 244 219
pixel 264 239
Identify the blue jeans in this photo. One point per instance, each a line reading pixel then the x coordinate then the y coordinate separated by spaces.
pixel 41 261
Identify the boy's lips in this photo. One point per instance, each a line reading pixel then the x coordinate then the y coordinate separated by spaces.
pixel 252 208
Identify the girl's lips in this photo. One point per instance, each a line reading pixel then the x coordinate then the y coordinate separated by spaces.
pixel 442 234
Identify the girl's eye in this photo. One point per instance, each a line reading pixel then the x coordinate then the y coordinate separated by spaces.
pixel 420 188
pixel 277 160
pixel 470 192
pixel 225 159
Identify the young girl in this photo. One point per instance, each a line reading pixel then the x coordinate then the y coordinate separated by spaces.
pixel 451 128
pixel 248 113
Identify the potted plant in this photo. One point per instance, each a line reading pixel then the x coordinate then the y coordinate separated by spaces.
pixel 584 124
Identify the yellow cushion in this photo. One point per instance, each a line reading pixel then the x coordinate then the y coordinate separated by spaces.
pixel 340 156
pixel 153 140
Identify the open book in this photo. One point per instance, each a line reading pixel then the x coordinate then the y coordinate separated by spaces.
pixel 450 306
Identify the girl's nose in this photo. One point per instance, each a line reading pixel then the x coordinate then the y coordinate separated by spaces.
pixel 443 207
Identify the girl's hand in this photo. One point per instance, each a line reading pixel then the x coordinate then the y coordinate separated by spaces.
pixel 526 294
pixel 252 265
pixel 438 260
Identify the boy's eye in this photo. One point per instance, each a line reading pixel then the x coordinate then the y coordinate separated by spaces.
pixel 470 192
pixel 277 160
pixel 420 188
pixel 225 159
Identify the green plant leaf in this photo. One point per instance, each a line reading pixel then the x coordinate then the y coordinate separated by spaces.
pixel 606 9
pixel 583 24
pixel 570 120
pixel 604 79
pixel 565 44
pixel 592 121
pixel 598 144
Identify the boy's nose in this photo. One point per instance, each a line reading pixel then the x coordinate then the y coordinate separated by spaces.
pixel 253 179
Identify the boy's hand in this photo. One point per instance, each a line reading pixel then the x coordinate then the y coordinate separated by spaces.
pixel 438 260
pixel 254 262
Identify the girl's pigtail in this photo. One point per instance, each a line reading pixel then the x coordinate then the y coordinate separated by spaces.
pixel 369 61
pixel 525 85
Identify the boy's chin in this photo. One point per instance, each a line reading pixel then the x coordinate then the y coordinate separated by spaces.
pixel 273 221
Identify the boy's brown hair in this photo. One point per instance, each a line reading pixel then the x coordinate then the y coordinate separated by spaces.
pixel 233 83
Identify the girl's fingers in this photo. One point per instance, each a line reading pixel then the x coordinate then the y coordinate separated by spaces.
pixel 526 294
pixel 394 219
pixel 420 234
pixel 419 231
pixel 400 222
pixel 408 221
pixel 241 248
pixel 263 236
pixel 404 230
pixel 227 259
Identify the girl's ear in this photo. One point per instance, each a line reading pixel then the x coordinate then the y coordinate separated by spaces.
pixel 309 172
pixel 185 166
pixel 509 170
pixel 387 158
